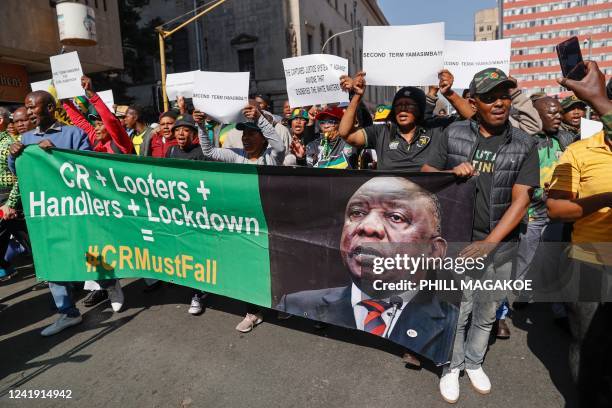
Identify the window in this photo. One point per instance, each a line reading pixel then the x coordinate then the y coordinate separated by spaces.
pixel 338 47
pixel 331 43
pixel 480 29
pixel 336 5
pixel 309 43
pixel 345 14
pixel 246 62
pixel 488 28
pixel 322 28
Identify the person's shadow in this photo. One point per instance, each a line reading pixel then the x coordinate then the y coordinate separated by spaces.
pixel 550 344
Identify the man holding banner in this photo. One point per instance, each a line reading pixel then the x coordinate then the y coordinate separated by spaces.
pixel 505 161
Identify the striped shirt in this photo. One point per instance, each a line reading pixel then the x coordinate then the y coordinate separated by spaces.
pixel 584 169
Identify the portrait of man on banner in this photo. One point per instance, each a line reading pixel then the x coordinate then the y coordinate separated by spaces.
pixel 387 218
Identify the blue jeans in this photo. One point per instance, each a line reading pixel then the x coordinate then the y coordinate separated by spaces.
pixel 62 296
pixel 470 348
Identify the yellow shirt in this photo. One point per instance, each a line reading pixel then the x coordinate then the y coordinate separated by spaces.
pixel 137 141
pixel 585 168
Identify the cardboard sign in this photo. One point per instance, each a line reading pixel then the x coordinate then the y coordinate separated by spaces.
pixel 589 128
pixel 221 95
pixel 41 85
pixel 67 73
pixel 403 55
pixel 108 99
pixel 315 79
pixel 180 84
pixel 465 58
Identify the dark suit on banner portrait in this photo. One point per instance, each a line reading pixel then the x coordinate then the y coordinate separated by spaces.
pixel 424 325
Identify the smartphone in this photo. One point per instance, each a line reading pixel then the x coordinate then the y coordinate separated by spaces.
pixel 570 58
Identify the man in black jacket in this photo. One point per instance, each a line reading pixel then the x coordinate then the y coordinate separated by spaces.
pixel 505 161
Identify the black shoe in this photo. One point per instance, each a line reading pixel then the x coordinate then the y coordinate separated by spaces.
pixel 95 297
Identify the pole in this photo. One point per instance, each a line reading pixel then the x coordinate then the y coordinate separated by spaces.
pixel 163 34
pixel 197 36
pixel 162 62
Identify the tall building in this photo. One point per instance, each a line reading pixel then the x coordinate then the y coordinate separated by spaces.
pixel 486 24
pixel 255 36
pixel 29 36
pixel 536 26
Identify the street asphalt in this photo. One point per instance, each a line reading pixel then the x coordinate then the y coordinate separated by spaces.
pixel 154 354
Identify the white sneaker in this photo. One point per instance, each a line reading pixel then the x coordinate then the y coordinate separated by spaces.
pixel 63 322
pixel 115 294
pixel 480 381
pixel 449 385
pixel 249 321
pixel 196 305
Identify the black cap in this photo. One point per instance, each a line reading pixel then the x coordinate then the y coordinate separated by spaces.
pixel 414 93
pixel 248 125
pixel 488 79
pixel 186 121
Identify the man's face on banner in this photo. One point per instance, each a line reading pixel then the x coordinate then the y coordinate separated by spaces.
pixel 389 216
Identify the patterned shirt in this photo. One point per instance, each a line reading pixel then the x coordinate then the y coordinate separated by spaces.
pixel 8 181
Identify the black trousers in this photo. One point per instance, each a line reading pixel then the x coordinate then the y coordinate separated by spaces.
pixel 589 355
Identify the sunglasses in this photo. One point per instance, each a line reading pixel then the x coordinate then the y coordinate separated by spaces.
pixel 328 122
pixel 489 99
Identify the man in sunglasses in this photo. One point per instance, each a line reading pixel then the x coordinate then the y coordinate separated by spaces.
pixel 505 161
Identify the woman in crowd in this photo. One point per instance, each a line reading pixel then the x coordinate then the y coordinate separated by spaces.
pixel 261 145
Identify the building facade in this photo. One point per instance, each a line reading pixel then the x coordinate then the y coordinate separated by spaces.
pixel 486 24
pixel 29 36
pixel 256 35
pixel 536 26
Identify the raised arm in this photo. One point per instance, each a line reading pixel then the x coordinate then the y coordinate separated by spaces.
pixel 212 153
pixel 346 130
pixel 462 106
pixel 79 120
pixel 111 123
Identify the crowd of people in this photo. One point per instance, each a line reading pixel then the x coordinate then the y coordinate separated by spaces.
pixel 536 181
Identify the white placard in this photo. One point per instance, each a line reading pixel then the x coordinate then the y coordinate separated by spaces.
pixel 589 128
pixel 221 95
pixel 315 79
pixel 67 73
pixel 180 84
pixel 403 55
pixel 108 99
pixel 41 85
pixel 465 58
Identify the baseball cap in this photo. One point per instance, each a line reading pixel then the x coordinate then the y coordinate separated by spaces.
pixel 488 79
pixel 299 113
pixel 568 102
pixel 332 112
pixel 414 93
pixel 186 121
pixel 248 125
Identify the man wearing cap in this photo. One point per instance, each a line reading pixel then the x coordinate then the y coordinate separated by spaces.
pixel 328 150
pixel 505 160
pixel 401 143
pixel 573 110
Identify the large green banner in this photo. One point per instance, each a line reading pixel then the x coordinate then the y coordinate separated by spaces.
pixel 95 216
pixel 350 248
